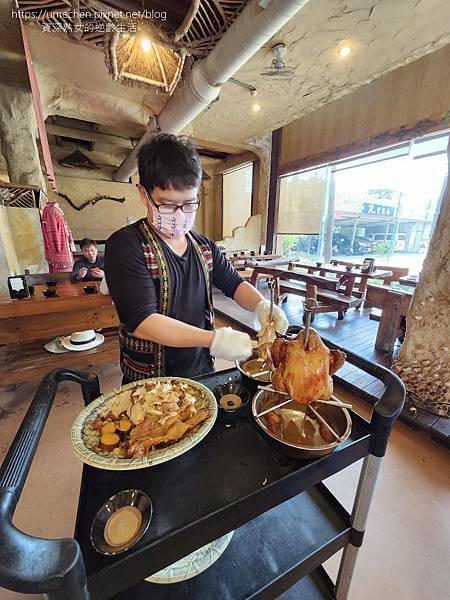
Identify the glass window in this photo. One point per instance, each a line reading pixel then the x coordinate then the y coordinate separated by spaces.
pixel 237 198
pixel 383 205
pixel 302 203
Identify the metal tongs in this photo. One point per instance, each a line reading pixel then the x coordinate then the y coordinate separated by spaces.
pixel 271 285
pixel 309 306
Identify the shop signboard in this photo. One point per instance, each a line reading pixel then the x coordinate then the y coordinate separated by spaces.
pixel 379 210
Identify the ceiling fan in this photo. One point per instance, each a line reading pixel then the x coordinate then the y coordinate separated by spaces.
pixel 278 70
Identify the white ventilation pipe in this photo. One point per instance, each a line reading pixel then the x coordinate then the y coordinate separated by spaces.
pixel 257 23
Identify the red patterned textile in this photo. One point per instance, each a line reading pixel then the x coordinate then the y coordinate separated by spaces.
pixel 57 237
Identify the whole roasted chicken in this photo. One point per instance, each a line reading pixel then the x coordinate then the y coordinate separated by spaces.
pixel 305 374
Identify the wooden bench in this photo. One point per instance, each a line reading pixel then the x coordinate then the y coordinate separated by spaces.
pixel 328 297
pixel 27 361
pixel 330 300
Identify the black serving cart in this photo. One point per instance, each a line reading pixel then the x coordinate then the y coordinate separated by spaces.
pixel 286 522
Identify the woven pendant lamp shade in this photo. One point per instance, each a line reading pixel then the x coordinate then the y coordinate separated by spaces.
pixel 144 59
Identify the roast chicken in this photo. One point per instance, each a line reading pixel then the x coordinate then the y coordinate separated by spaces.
pixel 305 374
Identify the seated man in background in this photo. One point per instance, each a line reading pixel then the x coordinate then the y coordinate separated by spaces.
pixel 90 266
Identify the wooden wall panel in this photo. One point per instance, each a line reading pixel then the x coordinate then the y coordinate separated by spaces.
pixel 408 95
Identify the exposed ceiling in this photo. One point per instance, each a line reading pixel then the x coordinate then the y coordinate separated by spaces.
pixel 383 35
pixel 64 132
pixel 196 25
pixel 174 11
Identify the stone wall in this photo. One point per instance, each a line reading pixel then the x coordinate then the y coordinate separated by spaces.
pixel 244 238
pixel 262 148
pixel 423 362
pixel 21 244
pixel 106 216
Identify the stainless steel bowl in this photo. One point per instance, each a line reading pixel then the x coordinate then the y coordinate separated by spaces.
pixel 232 387
pixel 251 381
pixel 134 498
pixel 339 418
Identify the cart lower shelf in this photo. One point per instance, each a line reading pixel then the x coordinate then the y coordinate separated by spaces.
pixel 269 555
pixel 315 586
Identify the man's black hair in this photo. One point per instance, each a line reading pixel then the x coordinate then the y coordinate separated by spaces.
pixel 85 242
pixel 169 161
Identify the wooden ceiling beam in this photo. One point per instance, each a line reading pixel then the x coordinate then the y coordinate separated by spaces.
pixel 232 162
pixel 89 136
pixel 208 145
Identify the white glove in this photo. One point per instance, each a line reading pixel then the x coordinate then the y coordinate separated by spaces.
pixel 262 311
pixel 230 344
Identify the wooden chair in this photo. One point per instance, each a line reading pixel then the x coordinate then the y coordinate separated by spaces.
pixel 397 272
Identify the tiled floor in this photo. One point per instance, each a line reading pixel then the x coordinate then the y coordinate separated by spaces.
pixel 406 550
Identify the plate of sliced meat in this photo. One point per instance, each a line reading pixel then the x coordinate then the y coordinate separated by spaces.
pixel 144 423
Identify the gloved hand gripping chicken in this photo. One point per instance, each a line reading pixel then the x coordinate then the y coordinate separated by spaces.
pixel 305 374
pixel 272 319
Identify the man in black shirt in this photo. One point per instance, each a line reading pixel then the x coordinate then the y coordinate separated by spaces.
pixel 90 266
pixel 160 274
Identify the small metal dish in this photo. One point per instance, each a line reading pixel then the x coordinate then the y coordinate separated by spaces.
pixel 339 418
pixel 134 498
pixel 249 379
pixel 231 388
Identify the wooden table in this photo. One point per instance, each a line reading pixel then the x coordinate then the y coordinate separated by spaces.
pixel 394 304
pixel 26 325
pixel 409 280
pixel 41 317
pixel 350 276
pixel 258 257
pixel 301 284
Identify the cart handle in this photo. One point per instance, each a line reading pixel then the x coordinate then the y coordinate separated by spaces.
pixel 28 564
pixel 388 407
